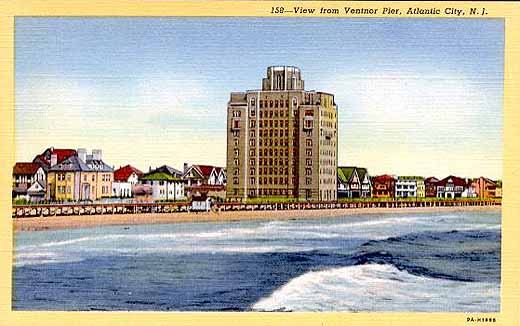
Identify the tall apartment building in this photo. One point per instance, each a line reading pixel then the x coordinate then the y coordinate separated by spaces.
pixel 282 140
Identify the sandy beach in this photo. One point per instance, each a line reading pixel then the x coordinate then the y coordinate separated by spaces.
pixel 86 221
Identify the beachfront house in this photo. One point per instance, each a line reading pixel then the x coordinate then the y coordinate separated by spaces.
pixel 29 181
pixel 383 186
pixel 165 187
pixel 125 178
pixel 486 188
pixel 409 187
pixel 451 187
pixel 80 177
pixel 205 179
pixel 353 182
pixel 430 187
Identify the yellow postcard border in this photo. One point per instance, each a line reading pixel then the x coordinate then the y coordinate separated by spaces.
pixel 510 305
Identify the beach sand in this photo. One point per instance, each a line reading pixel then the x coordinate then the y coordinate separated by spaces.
pixel 86 221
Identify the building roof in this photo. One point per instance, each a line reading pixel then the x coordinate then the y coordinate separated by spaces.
pixel 61 155
pixel 122 174
pixel 98 166
pixel 410 177
pixel 204 170
pixel 159 176
pixel 345 173
pixel 165 169
pixel 431 180
pixel 75 164
pixel 456 181
pixel 25 168
pixel 201 197
pixel 383 178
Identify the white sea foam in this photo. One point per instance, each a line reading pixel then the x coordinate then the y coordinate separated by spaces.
pixel 376 287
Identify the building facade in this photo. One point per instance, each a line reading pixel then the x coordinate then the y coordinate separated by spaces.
pixel 409 187
pixel 430 187
pixel 164 186
pixel 486 188
pixel 353 182
pixel 383 186
pixel 451 187
pixel 80 177
pixel 29 181
pixel 125 178
pixel 282 140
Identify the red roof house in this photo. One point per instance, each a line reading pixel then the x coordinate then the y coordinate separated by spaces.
pixel 122 174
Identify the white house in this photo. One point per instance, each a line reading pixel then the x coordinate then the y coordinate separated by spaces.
pixel 201 203
pixel 125 179
pixel 406 187
pixel 164 186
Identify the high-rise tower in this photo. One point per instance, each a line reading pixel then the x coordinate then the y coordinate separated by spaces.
pixel 282 140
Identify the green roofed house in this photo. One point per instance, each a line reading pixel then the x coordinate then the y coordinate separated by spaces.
pixel 353 182
pixel 164 186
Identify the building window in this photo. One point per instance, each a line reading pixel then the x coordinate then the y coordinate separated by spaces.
pixel 237 171
pixel 252 123
pixel 237 152
pixel 308 181
pixel 308 171
pixel 252 181
pixel 93 177
pixel 235 181
pixel 308 162
pixel 236 161
pixel 308 151
pixel 236 114
pixel 308 142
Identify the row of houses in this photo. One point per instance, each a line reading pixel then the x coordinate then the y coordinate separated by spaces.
pixel 75 175
pixel 355 182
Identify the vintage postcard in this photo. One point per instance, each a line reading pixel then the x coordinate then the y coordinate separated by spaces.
pixel 330 162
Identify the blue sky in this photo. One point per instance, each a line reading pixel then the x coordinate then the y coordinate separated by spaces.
pixel 415 96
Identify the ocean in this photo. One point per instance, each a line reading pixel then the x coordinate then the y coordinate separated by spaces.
pixel 417 261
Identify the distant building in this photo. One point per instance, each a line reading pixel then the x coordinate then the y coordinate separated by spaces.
pixel 409 187
pixel 383 186
pixel 29 181
pixel 282 140
pixel 80 177
pixel 125 179
pixel 201 203
pixel 353 182
pixel 451 187
pixel 469 190
pixel 430 187
pixel 165 169
pixel 52 156
pixel 164 186
pixel 486 188
pixel 204 179
pixel 142 193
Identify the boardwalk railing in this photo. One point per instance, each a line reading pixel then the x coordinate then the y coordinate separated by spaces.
pixel 20 211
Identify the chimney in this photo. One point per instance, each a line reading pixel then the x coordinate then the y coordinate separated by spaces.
pixel 96 154
pixel 82 154
pixel 185 167
pixel 54 159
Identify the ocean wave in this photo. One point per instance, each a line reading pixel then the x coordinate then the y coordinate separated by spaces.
pixel 379 287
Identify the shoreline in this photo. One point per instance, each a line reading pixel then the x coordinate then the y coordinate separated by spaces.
pixel 31 224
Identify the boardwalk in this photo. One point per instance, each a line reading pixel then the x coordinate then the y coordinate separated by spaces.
pixel 20 211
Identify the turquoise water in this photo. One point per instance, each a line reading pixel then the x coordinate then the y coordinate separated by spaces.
pixel 447 261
